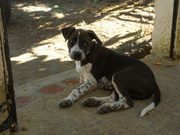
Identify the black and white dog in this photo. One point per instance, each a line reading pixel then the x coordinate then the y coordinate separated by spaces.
pixel 100 67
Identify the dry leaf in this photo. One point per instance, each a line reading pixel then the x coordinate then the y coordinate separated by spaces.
pixel 170 65
pixel 24 129
pixel 158 63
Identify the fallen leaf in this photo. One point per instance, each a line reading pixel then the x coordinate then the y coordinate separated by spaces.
pixel 158 63
pixel 24 129
pixel 170 65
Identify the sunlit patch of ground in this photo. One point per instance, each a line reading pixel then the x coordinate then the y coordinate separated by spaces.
pixel 35 35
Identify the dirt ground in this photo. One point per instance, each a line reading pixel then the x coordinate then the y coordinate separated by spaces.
pixel 37 46
pixel 39 56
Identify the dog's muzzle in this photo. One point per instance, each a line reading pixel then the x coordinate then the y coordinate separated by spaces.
pixel 77 55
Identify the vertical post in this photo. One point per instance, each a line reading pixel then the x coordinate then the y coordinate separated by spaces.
pixel 161 37
pixel 177 37
pixel 7 95
pixel 166 34
pixel 174 29
pixel 3 96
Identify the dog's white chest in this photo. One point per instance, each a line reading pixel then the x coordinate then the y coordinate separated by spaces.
pixel 85 71
pixel 78 66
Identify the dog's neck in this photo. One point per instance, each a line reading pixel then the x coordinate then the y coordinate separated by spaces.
pixel 92 55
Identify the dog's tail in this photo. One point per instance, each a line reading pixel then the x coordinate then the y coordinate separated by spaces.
pixel 156 100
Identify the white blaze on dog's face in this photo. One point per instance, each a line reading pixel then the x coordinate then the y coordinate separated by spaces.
pixel 80 42
pixel 75 52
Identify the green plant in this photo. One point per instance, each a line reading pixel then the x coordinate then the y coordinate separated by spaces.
pixel 97 0
pixel 57 8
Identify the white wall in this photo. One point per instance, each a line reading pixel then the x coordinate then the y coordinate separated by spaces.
pixel 162 27
pixel 177 39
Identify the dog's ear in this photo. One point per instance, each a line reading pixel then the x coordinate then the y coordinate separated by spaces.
pixel 94 36
pixel 67 32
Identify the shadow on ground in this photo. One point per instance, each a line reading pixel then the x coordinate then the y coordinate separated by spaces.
pixel 36 28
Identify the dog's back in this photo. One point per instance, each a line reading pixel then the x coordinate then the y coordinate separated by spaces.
pixel 137 76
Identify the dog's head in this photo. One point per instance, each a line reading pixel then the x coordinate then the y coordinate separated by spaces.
pixel 79 42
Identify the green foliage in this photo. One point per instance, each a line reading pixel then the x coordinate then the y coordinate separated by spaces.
pixel 57 8
pixel 97 0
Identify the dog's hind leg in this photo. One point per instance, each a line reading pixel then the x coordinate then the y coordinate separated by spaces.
pixel 124 100
pixel 114 106
pixel 96 101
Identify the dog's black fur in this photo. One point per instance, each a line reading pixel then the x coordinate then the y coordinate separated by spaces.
pixel 136 78
pixel 133 78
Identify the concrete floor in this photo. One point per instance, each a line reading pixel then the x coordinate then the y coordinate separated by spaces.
pixel 39 54
pixel 42 116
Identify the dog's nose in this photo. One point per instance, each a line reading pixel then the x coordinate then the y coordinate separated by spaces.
pixel 77 55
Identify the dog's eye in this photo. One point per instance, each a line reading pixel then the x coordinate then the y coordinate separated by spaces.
pixel 84 43
pixel 72 40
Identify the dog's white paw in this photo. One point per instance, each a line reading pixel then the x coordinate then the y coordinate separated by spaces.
pixel 81 80
pixel 105 108
pixel 65 103
pixel 90 102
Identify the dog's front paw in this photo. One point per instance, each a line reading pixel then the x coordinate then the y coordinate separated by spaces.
pixel 90 102
pixel 105 108
pixel 65 103
pixel 81 80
